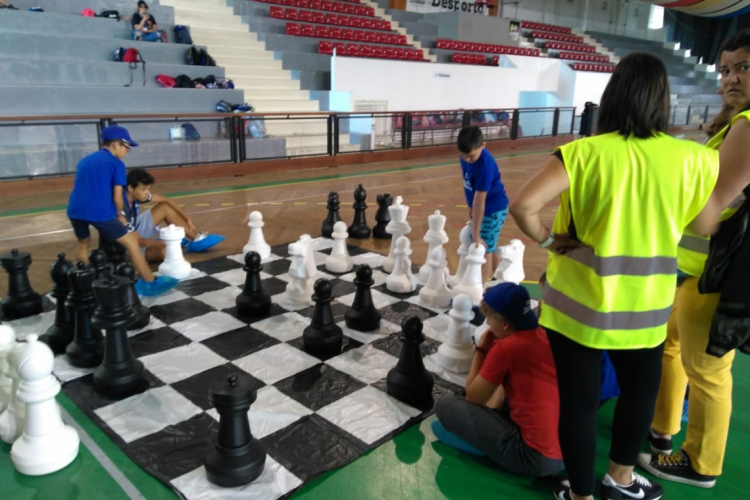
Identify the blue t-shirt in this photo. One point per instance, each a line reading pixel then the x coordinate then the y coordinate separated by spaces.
pixel 483 175
pixel 92 198
pixel 131 212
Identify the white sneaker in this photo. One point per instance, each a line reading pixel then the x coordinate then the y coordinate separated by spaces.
pixel 640 489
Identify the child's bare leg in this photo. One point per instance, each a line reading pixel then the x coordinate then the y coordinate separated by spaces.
pixel 130 242
pixel 82 250
pixel 164 213
pixel 487 267
pixel 156 252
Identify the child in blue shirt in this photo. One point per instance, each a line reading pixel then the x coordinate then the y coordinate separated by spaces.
pixel 97 200
pixel 485 194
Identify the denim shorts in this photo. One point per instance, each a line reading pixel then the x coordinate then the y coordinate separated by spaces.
pixel 110 230
pixel 492 224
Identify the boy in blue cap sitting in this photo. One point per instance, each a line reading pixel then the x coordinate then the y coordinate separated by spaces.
pixel 97 200
pixel 146 224
pixel 512 364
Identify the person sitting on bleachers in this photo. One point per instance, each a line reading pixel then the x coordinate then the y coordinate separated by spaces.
pixel 144 25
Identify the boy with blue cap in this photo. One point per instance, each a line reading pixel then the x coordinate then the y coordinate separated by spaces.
pixel 97 200
pixel 511 408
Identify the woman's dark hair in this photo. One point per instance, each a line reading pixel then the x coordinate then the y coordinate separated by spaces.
pixel 740 40
pixel 140 176
pixel 636 100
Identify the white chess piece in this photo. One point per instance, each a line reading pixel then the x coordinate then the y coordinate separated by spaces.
pixel 457 353
pixel 398 226
pixel 436 292
pixel 510 269
pixel 301 271
pixel 46 445
pixel 401 280
pixel 463 250
pixel 257 242
pixel 174 265
pixel 472 283
pixel 12 419
pixel 435 237
pixel 339 261
pixel 7 342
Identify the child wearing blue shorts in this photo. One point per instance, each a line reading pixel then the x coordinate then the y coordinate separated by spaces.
pixel 485 194
pixel 97 200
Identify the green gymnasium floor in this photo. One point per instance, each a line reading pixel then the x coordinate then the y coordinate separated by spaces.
pixel 413 466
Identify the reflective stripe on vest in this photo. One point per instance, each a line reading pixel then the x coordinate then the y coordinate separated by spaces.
pixel 619 265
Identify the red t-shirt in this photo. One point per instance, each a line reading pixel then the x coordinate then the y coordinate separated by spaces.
pixel 522 363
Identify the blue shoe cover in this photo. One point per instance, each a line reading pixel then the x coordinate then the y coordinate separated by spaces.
pixel 448 438
pixel 162 284
pixel 184 242
pixel 204 244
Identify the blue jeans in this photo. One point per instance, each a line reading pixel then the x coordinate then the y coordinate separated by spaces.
pixel 147 37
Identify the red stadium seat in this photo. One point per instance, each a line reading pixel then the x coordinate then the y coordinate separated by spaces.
pixel 352 49
pixel 457 58
pixel 382 38
pixel 305 4
pixel 279 2
pixel 384 25
pixel 371 37
pixel 319 17
pixel 291 3
pixel 360 10
pixel 332 19
pixel 441 44
pixel 399 53
pixel 495 60
pixel 335 33
pixel 402 40
pixel 348 34
pixel 276 13
pixel 371 13
pixel 377 51
pixel 327 5
pixel 292 29
pixel 339 7
pixel 355 22
pixel 291 14
pixel 344 20
pixel 388 53
pixel 307 30
pixel 321 32
pixel 340 48
pixel 316 4
pixel 325 47
pixel 350 9
pixel 305 16
pixel 393 39
pixel 365 51
pixel 366 23
pixel 360 36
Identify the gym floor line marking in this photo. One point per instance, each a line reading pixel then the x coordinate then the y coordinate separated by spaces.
pixel 60 208
pixel 227 204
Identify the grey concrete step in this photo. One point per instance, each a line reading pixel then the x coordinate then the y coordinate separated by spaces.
pixel 415 28
pixel 403 16
pixel 124 7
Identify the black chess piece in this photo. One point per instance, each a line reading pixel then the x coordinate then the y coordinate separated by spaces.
pixel 383 217
pixel 238 457
pixel 333 214
pixel 87 348
pixel 21 301
pixel 253 302
pixel 409 381
pixel 115 252
pixel 60 334
pixel 142 313
pixel 359 228
pixel 120 373
pixel 98 260
pixel 363 316
pixel 323 338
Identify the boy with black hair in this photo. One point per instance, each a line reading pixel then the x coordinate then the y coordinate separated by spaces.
pixel 485 194
pixel 97 199
pixel 512 362
pixel 146 225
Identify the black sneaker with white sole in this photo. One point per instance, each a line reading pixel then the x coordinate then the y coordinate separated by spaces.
pixel 640 489
pixel 676 467
pixel 562 490
pixel 661 445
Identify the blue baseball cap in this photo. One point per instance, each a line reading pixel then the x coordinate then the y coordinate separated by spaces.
pixel 514 303
pixel 118 133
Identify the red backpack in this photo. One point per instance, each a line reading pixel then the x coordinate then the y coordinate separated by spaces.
pixel 132 57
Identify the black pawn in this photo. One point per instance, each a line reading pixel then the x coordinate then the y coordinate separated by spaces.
pixel 87 348
pixel 60 334
pixel 409 381
pixel 142 313
pixel 238 457
pixel 323 338
pixel 363 316
pixel 21 301
pixel 115 252
pixel 253 302
pixel 120 373
pixel 382 216
pixel 98 260
pixel 333 214
pixel 359 228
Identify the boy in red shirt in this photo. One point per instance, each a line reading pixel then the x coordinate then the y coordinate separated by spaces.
pixel 511 407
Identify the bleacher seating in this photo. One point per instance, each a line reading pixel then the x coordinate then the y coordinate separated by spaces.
pixel 544 35
pixel 309 30
pixel 327 6
pixel 570 47
pixel 377 52
pixel 598 68
pixel 580 56
pixel 332 19
pixel 529 25
pixel 488 48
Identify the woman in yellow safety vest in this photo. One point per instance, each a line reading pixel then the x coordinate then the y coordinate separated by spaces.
pixel 699 461
pixel 626 197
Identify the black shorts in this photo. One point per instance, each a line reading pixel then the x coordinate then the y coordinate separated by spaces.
pixel 110 230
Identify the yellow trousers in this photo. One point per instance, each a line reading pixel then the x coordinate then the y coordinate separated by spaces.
pixel 710 378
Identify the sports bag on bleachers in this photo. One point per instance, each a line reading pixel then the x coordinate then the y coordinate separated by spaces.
pixel 132 57
pixel 192 56
pixel 110 14
pixel 184 82
pixel 182 35
pixel 191 133
pixel 205 59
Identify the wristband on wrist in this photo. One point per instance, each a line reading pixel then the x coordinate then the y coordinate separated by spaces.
pixel 546 243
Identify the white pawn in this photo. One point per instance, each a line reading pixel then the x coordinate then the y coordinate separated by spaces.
pixel 510 269
pixel 401 280
pixel 472 283
pixel 257 242
pixel 435 237
pixel 457 353
pixel 12 419
pixel 301 271
pixel 7 342
pixel 398 226
pixel 339 261
pixel 47 445
pixel 174 265
pixel 463 250
pixel 436 292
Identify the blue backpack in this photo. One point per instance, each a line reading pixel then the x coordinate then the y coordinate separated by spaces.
pixel 182 35
pixel 191 133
